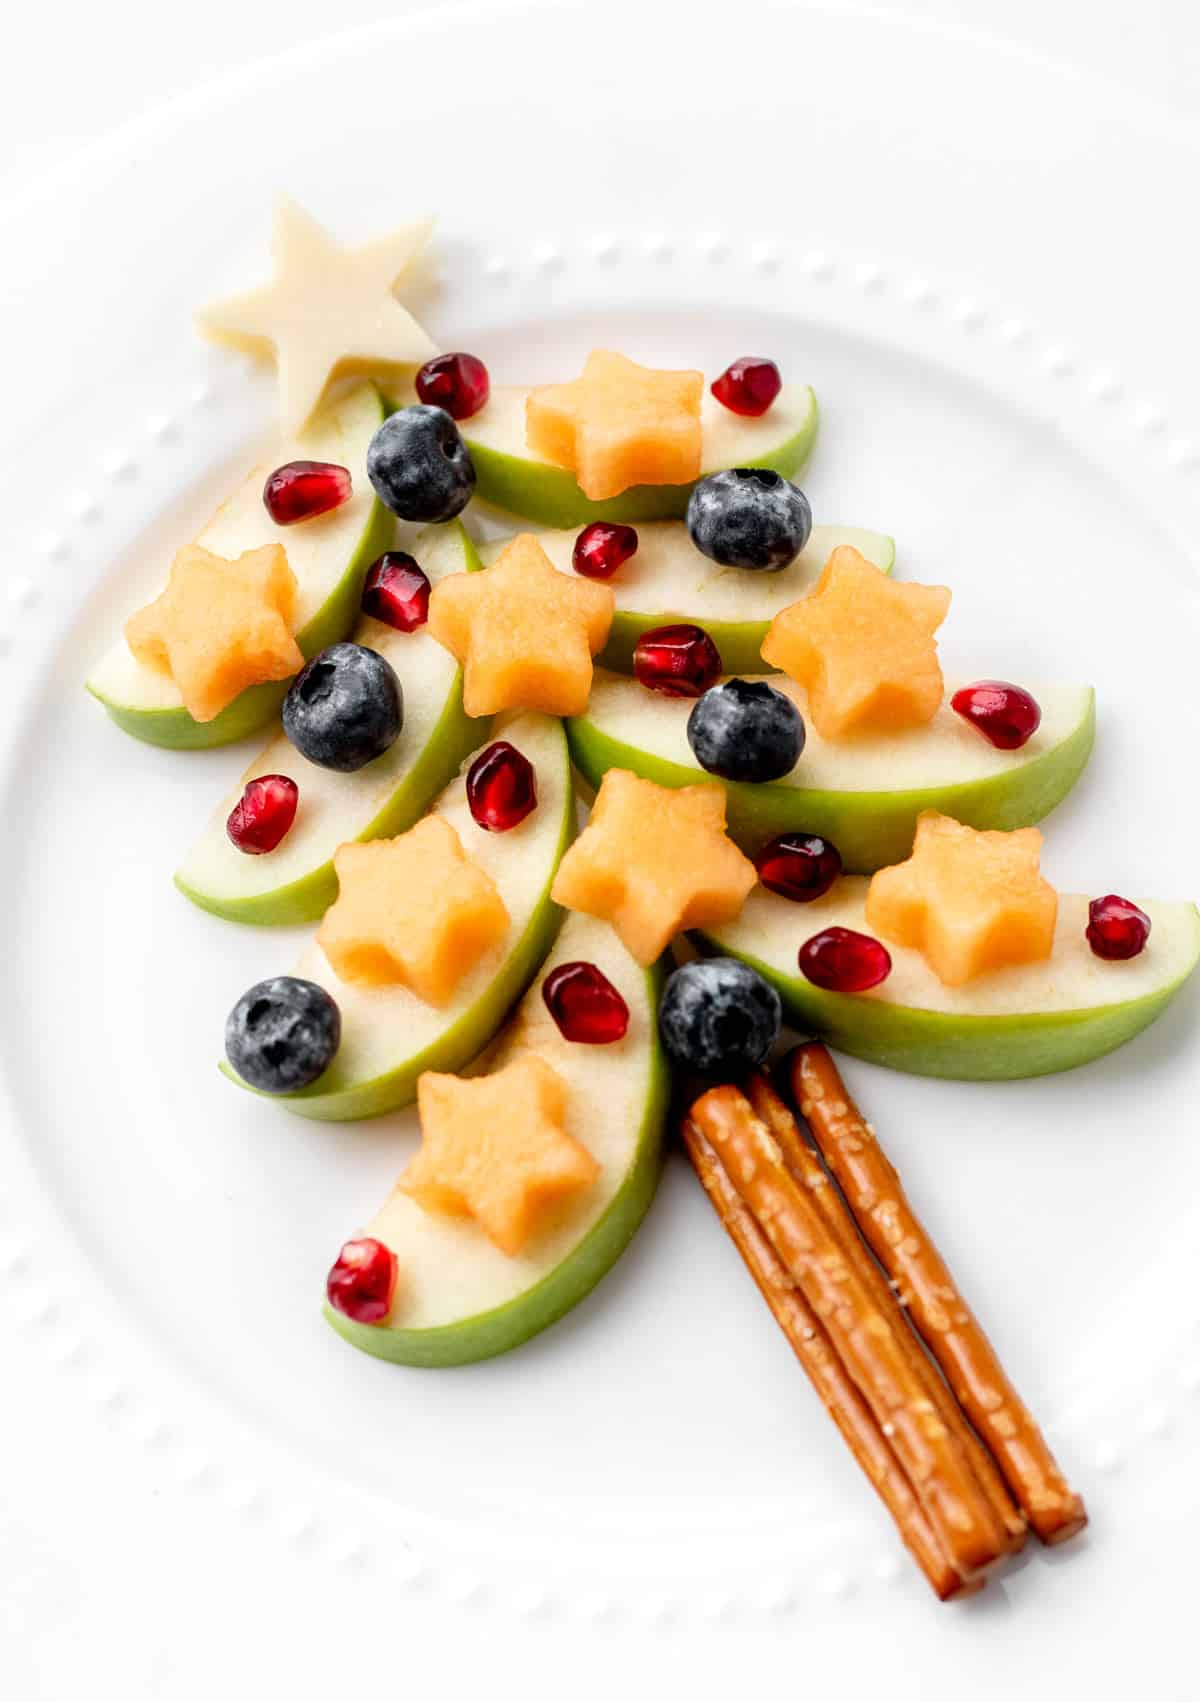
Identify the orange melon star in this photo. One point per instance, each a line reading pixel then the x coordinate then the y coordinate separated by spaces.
pixel 524 633
pixel 654 860
pixel 618 425
pixel 220 626
pixel 968 901
pixel 414 910
pixel 496 1148
pixel 862 646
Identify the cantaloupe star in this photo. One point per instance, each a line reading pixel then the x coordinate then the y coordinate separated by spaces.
pixel 496 1148
pixel 220 626
pixel 524 632
pixel 862 646
pixel 968 901
pixel 328 310
pixel 620 424
pixel 414 910
pixel 654 860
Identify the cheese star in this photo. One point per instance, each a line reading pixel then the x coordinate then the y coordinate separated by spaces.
pixel 862 645
pixel 654 860
pixel 495 1148
pixel 414 910
pixel 968 901
pixel 327 310
pixel 220 626
pixel 621 424
pixel 524 632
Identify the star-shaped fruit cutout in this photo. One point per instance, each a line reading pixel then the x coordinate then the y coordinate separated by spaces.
pixel 862 646
pixel 328 310
pixel 496 1148
pixel 524 633
pixel 968 901
pixel 654 860
pixel 220 626
pixel 413 910
pixel 618 425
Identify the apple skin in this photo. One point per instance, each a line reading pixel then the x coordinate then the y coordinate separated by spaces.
pixel 870 829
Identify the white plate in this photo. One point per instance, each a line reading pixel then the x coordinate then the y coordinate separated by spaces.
pixel 657 1452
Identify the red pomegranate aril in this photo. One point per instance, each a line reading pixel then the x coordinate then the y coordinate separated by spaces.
pixel 263 815
pixel 601 548
pixel 501 787
pixel 300 490
pixel 362 1281
pixel 799 866
pixel 748 386
pixel 585 1005
pixel 396 592
pixel 1003 713
pixel 458 383
pixel 841 960
pixel 678 661
pixel 1116 928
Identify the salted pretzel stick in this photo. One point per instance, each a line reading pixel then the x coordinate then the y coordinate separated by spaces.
pixel 806 1167
pixel 945 1322
pixel 864 1336
pixel 826 1373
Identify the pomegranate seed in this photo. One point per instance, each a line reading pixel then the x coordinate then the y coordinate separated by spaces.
pixel 799 866
pixel 600 549
pixel 396 592
pixel 1005 714
pixel 844 961
pixel 678 661
pixel 585 1005
pixel 457 383
pixel 362 1282
pixel 501 787
pixel 263 814
pixel 1116 928
pixel 300 490
pixel 748 386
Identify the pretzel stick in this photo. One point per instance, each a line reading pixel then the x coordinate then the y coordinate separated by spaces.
pixel 864 1336
pixel 945 1322
pixel 806 1167
pixel 826 1373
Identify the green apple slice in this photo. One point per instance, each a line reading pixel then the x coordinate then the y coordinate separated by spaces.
pixel 863 794
pixel 296 882
pixel 329 557
pixel 669 580
pixel 1028 1021
pixel 510 477
pixel 389 1035
pixel 459 1298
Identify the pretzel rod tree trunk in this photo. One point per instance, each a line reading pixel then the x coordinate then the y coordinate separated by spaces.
pixel 825 1371
pixel 898 1238
pixel 864 1336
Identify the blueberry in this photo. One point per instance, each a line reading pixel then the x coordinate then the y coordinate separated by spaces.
pixel 749 517
pixel 719 1017
pixel 283 1034
pixel 420 466
pixel 746 730
pixel 344 708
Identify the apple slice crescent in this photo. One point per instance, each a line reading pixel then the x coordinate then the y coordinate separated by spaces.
pixel 458 1297
pixel 329 557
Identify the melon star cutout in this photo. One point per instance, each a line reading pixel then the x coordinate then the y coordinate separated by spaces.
pixel 616 414
pixel 328 310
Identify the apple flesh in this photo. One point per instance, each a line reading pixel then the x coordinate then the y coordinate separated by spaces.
pixel 388 1034
pixel 1031 1020
pixel 296 882
pixel 511 478
pixel 329 557
pixel 863 794
pixel 458 1298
